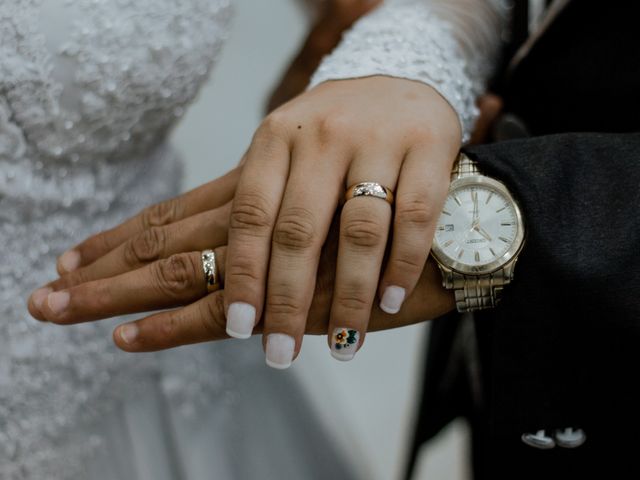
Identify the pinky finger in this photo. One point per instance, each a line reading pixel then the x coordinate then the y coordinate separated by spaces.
pixel 202 321
pixel 422 188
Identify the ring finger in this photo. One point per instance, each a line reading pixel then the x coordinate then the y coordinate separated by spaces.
pixel 422 188
pixel 364 229
pixel 174 281
pixel 204 230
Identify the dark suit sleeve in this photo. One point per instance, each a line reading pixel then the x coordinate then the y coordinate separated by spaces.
pixel 562 347
pixel 580 195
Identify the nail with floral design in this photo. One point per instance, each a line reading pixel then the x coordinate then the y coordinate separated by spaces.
pixel 344 343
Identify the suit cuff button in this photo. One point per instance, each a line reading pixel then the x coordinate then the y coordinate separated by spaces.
pixel 570 438
pixel 538 440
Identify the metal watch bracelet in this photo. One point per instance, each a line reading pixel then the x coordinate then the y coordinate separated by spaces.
pixel 474 292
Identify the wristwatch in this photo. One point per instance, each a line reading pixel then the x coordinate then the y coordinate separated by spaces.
pixel 478 237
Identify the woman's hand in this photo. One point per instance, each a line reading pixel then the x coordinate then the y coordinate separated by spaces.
pixel 113 286
pixel 398 133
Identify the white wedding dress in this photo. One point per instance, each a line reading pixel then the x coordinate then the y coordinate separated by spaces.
pixel 89 90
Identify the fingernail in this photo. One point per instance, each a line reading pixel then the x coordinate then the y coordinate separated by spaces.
pixel 70 260
pixel 241 318
pixel 280 348
pixel 38 297
pixel 58 302
pixel 344 344
pixel 392 299
pixel 129 333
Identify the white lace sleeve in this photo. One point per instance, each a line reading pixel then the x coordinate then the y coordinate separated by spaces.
pixel 451 45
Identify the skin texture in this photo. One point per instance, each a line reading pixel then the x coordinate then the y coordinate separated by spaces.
pixel 141 266
pixel 397 132
pixel 175 281
pixel 213 214
pixel 278 220
pixel 400 133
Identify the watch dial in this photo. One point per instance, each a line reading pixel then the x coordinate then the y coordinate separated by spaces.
pixel 478 225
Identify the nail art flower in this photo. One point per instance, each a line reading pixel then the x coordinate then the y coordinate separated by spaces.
pixel 343 338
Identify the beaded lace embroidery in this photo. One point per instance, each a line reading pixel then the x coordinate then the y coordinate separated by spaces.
pixel 71 165
pixel 448 44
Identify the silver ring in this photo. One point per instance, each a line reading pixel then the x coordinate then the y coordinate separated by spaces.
pixel 210 268
pixel 369 189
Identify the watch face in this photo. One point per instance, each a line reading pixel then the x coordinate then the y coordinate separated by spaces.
pixel 480 228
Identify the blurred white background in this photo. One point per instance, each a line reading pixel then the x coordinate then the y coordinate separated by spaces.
pixel 368 403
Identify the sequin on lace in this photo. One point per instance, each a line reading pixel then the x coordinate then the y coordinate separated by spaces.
pixel 70 167
pixel 430 41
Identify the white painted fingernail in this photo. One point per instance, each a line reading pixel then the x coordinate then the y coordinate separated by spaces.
pixel 129 333
pixel 58 301
pixel 344 344
pixel 39 296
pixel 280 349
pixel 392 299
pixel 70 260
pixel 241 318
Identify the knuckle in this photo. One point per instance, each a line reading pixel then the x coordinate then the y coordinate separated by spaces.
pixel 295 230
pixel 145 247
pixel 283 304
pixel 212 316
pixel 170 327
pixel 274 126
pixel 242 270
pixel 77 277
pixel 101 295
pixel 250 213
pixel 101 242
pixel 420 133
pixel 415 211
pixel 176 274
pixel 97 244
pixel 408 263
pixel 352 300
pixel 363 231
pixel 333 126
pixel 161 214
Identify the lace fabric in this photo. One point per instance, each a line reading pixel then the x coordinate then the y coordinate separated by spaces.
pixel 78 156
pixel 450 45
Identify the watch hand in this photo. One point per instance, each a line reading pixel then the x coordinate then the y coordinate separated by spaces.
pixel 483 232
pixel 474 197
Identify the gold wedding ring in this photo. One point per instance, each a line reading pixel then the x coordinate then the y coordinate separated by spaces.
pixel 369 189
pixel 211 276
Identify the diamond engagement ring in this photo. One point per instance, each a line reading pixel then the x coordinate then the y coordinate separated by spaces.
pixel 210 271
pixel 369 189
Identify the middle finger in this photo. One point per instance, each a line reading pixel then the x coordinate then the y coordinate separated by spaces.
pixel 308 206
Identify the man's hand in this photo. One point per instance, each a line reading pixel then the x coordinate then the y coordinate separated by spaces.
pixel 147 273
